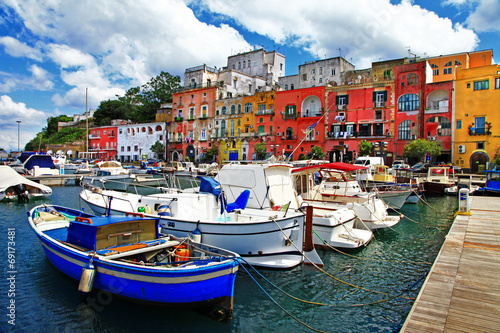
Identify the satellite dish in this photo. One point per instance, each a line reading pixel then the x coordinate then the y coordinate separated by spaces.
pixel 359 77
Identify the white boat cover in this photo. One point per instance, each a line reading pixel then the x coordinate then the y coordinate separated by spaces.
pixel 9 177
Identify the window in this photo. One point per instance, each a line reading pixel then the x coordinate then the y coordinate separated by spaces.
pixel 478 85
pixel 365 130
pixel 244 64
pixel 223 128
pixel 436 72
pixel 203 134
pixel 290 111
pixel 457 62
pixel 233 109
pixel 261 109
pixel 479 125
pixel 378 114
pixel 434 66
pixel 449 63
pixel 378 129
pixel 443 126
pixel 261 129
pixel 404 130
pixel 223 110
pixel 104 132
pixel 255 64
pixel 191 113
pixel 292 86
pixel 379 98
pixel 447 70
pixel 122 149
pixel 261 120
pixel 248 107
pixel 250 88
pixel 304 77
pixel 497 83
pixel 333 71
pixel 321 71
pixel 120 131
pixel 412 79
pixel 231 127
pixel 480 145
pixel 281 66
pixel 408 102
pixel 342 101
pixel 239 108
pixel 286 86
pixel 459 124
pixel 235 83
pixel 204 111
pixel 128 148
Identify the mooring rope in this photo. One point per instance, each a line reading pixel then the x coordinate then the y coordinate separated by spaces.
pixel 334 277
pixel 363 258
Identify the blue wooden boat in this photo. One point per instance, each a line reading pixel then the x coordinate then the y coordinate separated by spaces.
pixel 492 186
pixel 128 257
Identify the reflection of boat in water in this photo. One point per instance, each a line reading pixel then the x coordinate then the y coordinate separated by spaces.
pixel 262 236
pixel 13 186
pixel 127 256
pixel 109 175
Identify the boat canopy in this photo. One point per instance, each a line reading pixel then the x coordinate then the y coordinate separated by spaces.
pixel 9 177
pixel 42 161
pixel 210 185
pixel 335 166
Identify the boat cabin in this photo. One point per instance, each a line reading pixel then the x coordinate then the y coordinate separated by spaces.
pixel 381 174
pixel 101 233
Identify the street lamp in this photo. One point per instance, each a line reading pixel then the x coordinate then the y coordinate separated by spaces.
pixel 18 134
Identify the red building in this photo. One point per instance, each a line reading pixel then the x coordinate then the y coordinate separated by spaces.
pixel 300 118
pixel 360 111
pixel 102 140
pixel 423 108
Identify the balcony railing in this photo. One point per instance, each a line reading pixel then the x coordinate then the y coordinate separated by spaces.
pixel 379 104
pixel 288 137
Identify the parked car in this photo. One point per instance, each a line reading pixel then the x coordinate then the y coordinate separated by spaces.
pixel 420 167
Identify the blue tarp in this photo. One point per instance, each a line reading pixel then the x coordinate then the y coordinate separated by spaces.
pixel 43 161
pixel 210 185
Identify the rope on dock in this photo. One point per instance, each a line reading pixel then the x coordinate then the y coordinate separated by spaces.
pixel 374 259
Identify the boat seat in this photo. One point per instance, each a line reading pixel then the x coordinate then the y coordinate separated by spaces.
pixel 240 203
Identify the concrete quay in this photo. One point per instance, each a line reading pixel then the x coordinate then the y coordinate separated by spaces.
pixel 462 291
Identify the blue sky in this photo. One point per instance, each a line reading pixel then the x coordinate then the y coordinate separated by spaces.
pixel 51 51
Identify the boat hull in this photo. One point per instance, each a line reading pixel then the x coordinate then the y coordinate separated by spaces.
pixel 261 241
pixel 435 187
pixel 395 199
pixel 116 183
pixel 201 284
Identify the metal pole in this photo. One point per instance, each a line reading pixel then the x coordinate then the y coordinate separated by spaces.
pixel 18 134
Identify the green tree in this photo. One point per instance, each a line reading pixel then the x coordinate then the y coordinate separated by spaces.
pixel 364 148
pixel 419 148
pixel 210 154
pixel 316 153
pixel 52 124
pixel 496 158
pixel 260 150
pixel 109 110
pixel 158 148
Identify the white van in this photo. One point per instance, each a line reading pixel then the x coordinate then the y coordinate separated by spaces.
pixel 369 161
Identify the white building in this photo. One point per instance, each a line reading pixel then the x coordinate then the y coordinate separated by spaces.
pixel 134 141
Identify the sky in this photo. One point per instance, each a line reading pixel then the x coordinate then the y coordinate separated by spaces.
pixel 52 51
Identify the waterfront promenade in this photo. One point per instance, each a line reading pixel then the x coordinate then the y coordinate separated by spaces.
pixel 462 290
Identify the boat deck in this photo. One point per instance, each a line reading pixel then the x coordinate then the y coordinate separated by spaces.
pixel 462 290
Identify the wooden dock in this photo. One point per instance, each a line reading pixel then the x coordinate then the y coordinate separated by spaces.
pixel 462 291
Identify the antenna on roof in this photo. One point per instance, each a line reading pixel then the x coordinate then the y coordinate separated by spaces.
pixel 340 52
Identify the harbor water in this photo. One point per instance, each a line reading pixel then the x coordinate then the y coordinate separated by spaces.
pixel 365 290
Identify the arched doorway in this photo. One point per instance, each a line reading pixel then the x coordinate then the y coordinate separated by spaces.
pixel 478 158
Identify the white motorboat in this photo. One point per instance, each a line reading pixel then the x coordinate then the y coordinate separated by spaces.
pixel 336 187
pixel 35 164
pixel 262 236
pixel 109 175
pixel 13 186
pixel 333 226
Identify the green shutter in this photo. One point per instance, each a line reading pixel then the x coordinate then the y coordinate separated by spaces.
pixel 385 95
pixel 337 100
pixel 294 110
pixel 374 96
pixel 346 99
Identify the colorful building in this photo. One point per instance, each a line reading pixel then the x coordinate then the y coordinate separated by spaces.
pixel 477 99
pixel 103 141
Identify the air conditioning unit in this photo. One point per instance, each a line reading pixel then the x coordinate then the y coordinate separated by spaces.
pixel 461 149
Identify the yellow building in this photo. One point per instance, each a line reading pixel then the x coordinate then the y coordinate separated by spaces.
pixel 476 116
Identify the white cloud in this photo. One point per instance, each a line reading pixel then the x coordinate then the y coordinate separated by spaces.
pixel 365 30
pixel 16 48
pixel 10 113
pixel 40 80
pixel 486 17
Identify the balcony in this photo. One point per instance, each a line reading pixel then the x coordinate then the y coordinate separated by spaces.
pixel 479 131
pixel 341 107
pixel 178 119
pixel 379 104
pixel 191 119
pixel 289 138
pixel 290 116
pixel 264 112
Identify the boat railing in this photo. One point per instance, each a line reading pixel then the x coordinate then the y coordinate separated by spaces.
pixel 110 197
